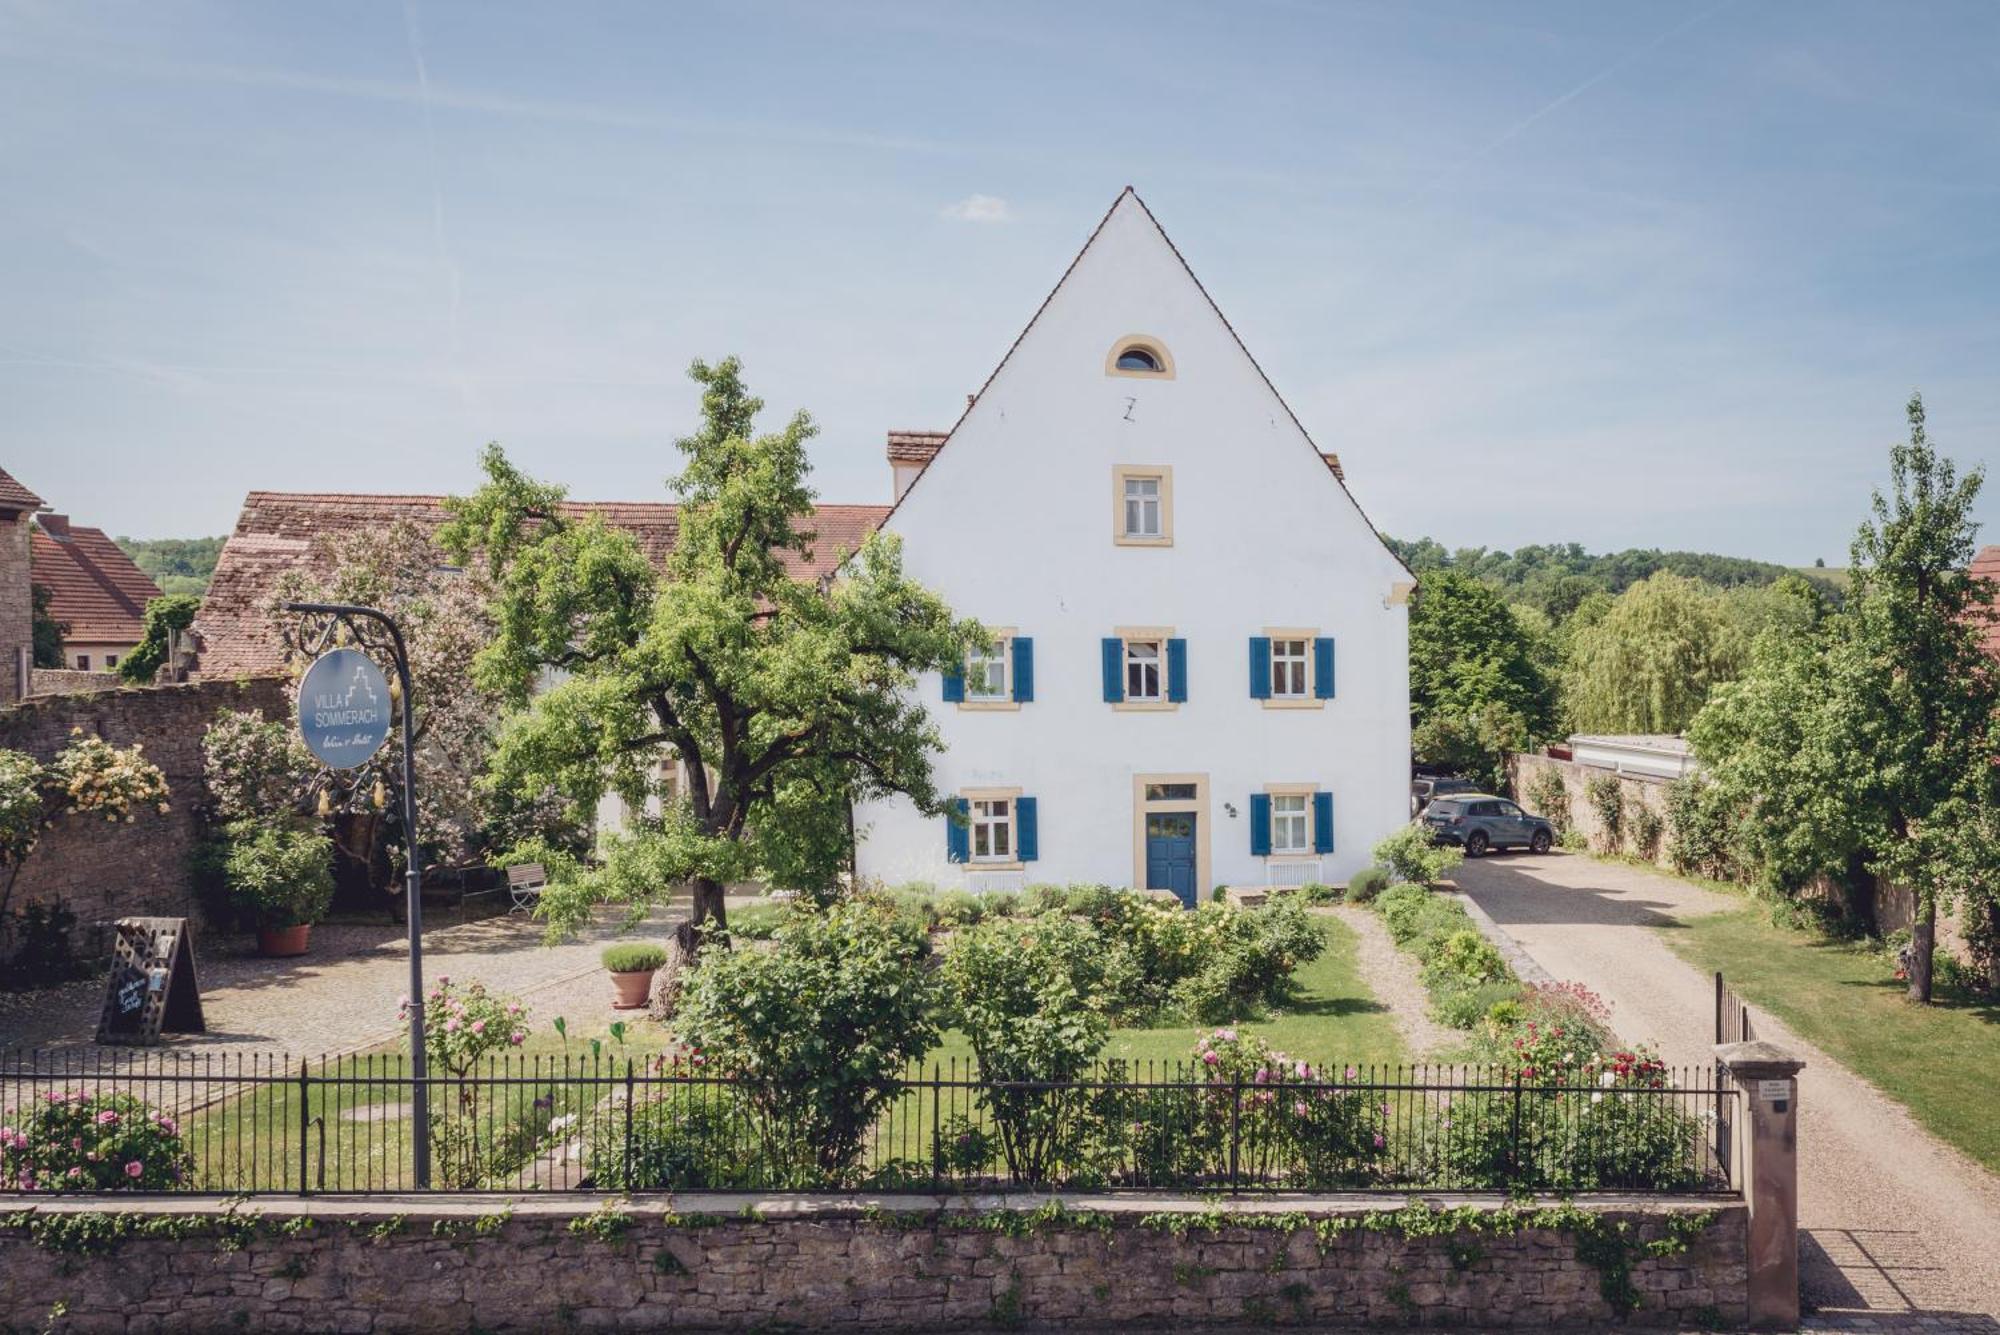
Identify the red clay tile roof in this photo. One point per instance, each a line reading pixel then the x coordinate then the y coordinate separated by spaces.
pixel 1986 565
pixel 92 583
pixel 278 531
pixel 914 447
pixel 14 496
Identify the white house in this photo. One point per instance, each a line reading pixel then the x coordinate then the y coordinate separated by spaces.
pixel 1203 672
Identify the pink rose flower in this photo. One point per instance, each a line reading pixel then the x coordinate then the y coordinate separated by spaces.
pixel 1379 1142
pixel 75 1171
pixel 451 1025
pixel 135 1169
pixel 1210 1058
pixel 479 1026
pixel 107 1118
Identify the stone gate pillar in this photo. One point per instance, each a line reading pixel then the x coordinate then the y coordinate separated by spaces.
pixel 1767 1169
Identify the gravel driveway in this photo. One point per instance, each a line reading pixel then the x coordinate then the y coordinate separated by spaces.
pixel 1894 1223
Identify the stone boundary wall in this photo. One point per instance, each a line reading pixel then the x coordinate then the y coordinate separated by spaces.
pixel 909 1263
pixel 1895 906
pixel 69 681
pixel 100 871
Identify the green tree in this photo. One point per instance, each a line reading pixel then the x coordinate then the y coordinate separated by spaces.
pixel 48 632
pixel 783 697
pixel 1649 663
pixel 164 616
pixel 1479 686
pixel 1911 690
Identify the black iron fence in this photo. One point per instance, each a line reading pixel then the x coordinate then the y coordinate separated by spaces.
pixel 598 1122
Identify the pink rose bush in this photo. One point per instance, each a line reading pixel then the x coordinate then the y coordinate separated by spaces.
pixel 71 1140
pixel 463 1022
pixel 1295 1121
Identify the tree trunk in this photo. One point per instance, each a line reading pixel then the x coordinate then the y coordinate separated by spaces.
pixel 1992 951
pixel 709 915
pixel 1923 947
pixel 1859 883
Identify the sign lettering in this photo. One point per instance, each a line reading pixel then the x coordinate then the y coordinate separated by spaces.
pixel 344 708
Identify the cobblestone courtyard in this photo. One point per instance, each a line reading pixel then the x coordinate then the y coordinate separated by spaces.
pixel 343 996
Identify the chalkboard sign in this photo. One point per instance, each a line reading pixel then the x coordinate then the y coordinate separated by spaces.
pixel 152 988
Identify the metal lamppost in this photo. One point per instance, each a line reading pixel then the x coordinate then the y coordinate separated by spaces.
pixel 345 737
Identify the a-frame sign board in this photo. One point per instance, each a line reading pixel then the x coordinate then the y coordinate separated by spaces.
pixel 152 988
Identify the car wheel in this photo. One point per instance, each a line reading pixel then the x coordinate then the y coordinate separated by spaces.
pixel 1539 843
pixel 1475 844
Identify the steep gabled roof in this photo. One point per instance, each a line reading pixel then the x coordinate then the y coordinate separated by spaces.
pixel 280 531
pixel 914 447
pixel 1331 461
pixel 14 496
pixel 1986 566
pixel 93 585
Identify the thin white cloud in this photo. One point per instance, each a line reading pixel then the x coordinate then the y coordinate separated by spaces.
pixel 979 209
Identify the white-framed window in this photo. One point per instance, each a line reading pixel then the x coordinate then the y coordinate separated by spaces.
pixel 1145 676
pixel 992 829
pixel 986 673
pixel 1142 506
pixel 1291 822
pixel 1291 662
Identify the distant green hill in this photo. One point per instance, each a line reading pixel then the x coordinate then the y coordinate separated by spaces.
pixel 177 565
pixel 1555 577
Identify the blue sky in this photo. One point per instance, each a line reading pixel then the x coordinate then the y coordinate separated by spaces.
pixel 1631 275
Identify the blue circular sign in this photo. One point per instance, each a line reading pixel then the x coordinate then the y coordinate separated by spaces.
pixel 344 708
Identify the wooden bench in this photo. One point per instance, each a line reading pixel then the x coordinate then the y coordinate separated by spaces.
pixel 525 883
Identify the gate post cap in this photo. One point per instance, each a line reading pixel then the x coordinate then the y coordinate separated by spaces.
pixel 1758 1060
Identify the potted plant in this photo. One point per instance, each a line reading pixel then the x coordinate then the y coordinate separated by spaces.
pixel 632 964
pixel 284 875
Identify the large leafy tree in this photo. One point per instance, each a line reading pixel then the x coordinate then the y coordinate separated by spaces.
pixel 1649 663
pixel 48 632
pixel 1479 685
pixel 1911 690
pixel 783 697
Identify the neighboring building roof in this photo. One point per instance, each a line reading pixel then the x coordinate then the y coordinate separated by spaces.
pixel 1333 465
pixel 93 585
pixel 1986 565
pixel 14 496
pixel 1666 743
pixel 278 531
pixel 914 447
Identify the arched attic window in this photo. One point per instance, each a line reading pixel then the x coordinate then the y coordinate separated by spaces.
pixel 1137 355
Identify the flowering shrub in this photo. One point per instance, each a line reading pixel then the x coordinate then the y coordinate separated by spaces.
pixel 92 777
pixel 253 767
pixel 1212 963
pixel 20 806
pixel 74 1141
pixel 1291 1118
pixel 463 1023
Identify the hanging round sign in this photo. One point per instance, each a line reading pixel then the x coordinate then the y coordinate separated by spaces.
pixel 344 708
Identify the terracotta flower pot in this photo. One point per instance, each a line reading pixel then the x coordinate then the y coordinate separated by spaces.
pixel 633 989
pixel 283 942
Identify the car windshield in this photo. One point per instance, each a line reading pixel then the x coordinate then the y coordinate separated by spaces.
pixel 1444 807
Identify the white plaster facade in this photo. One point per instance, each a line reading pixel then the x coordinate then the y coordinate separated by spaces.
pixel 1013 522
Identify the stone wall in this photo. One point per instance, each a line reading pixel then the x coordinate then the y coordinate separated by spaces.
pixel 102 871
pixel 70 681
pixel 1635 791
pixel 902 1264
pixel 17 607
pixel 1895 906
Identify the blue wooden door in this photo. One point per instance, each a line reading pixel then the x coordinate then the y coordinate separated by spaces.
pixel 1170 853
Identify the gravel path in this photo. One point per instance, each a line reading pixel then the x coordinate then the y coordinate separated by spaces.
pixel 1392 976
pixel 1894 1223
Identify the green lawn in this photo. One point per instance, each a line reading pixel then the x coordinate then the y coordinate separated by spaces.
pixel 1335 1018
pixel 1938 1061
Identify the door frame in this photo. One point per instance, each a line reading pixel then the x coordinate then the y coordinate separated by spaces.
pixel 1198 804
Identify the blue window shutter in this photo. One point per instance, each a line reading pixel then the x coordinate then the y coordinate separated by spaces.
pixel 1027 839
pixel 1260 667
pixel 1114 670
pixel 954 685
pixel 1177 670
pixel 1322 822
pixel 957 834
pixel 1323 667
pixel 1024 669
pixel 1260 825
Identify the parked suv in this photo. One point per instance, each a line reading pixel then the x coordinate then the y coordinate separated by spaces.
pixel 1479 821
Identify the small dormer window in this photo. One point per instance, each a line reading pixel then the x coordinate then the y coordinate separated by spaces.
pixel 1137 355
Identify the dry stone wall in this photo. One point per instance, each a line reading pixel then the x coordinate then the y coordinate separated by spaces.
pixel 914 1264
pixel 102 871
